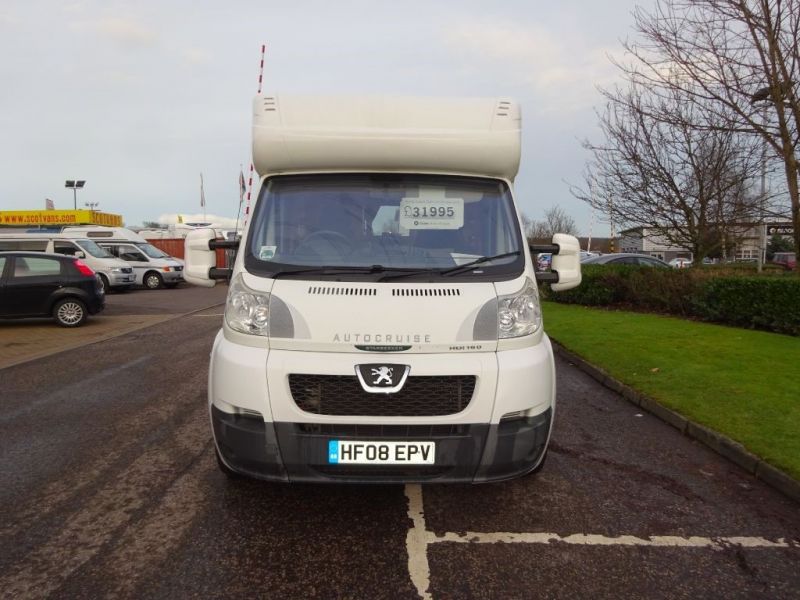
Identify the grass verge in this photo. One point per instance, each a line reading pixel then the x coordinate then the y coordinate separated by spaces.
pixel 742 383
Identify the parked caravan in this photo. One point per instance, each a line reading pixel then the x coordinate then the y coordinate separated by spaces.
pixel 114 273
pixel 153 267
pixel 383 320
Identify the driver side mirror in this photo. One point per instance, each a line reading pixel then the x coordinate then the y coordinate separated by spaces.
pixel 79 254
pixel 200 257
pixel 565 269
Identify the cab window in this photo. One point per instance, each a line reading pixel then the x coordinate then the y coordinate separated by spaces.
pixel 24 245
pixel 36 267
pixel 131 254
pixel 65 248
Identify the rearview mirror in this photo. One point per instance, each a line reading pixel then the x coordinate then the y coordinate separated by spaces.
pixel 199 257
pixel 565 267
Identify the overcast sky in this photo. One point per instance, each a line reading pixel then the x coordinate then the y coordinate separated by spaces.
pixel 139 98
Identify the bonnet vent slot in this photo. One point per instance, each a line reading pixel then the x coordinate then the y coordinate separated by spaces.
pixel 426 292
pixel 502 108
pixel 322 290
pixel 270 104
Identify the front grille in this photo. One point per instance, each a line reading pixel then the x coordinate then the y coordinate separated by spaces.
pixel 383 472
pixel 402 432
pixel 422 396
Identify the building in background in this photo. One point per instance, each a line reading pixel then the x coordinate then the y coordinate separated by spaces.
pixel 742 245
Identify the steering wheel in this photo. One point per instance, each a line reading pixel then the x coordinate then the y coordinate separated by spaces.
pixel 334 238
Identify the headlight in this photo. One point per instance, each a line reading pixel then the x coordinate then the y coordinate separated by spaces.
pixel 519 314
pixel 116 269
pixel 247 310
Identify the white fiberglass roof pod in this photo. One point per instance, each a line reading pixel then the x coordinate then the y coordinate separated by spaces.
pixel 474 136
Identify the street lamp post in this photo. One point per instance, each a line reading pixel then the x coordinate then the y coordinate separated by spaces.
pixel 91 205
pixel 762 95
pixel 75 185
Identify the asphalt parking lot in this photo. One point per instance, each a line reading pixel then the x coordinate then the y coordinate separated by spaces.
pixel 110 489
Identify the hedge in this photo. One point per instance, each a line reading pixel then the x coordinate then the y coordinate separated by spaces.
pixel 760 302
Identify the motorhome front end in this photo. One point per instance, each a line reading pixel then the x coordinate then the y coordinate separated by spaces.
pixel 383 319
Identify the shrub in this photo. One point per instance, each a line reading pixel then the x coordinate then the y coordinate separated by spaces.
pixel 600 286
pixel 758 302
pixel 737 297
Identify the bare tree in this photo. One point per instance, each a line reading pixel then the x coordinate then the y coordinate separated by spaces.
pixel 740 57
pixel 657 168
pixel 556 220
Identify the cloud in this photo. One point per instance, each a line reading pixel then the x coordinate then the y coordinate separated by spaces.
pixel 7 18
pixel 196 56
pixel 217 220
pixel 123 30
pixel 560 71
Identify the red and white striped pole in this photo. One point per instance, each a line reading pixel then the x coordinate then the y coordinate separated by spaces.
pixel 261 68
pixel 250 180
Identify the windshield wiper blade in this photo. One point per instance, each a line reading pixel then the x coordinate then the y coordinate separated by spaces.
pixel 477 261
pixel 333 270
pixel 409 272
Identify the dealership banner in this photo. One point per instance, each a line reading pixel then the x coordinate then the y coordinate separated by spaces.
pixel 34 218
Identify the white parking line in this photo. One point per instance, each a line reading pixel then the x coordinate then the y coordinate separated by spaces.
pixel 673 541
pixel 210 315
pixel 417 542
pixel 418 539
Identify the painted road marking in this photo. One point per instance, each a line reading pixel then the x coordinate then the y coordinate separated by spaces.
pixel 417 542
pixel 669 541
pixel 418 539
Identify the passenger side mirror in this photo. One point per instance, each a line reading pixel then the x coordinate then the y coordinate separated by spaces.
pixel 200 257
pixel 79 254
pixel 565 268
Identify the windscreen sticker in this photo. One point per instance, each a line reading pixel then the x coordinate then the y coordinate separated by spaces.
pixel 432 210
pixel 267 252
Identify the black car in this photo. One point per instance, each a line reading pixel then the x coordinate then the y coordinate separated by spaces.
pixel 626 258
pixel 33 284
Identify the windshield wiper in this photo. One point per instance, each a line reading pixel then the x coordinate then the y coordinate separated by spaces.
pixel 408 272
pixel 332 270
pixel 477 261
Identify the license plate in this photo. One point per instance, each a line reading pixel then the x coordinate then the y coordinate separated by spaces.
pixel 381 453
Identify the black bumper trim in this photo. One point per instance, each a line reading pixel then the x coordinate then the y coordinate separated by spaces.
pixel 464 453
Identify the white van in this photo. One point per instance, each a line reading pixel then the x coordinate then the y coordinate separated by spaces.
pixel 153 267
pixel 383 320
pixel 115 274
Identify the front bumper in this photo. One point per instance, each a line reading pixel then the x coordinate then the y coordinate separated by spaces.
pixel 121 279
pixel 297 452
pixel 172 276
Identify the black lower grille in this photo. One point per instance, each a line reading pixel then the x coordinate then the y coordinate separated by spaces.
pixel 421 396
pixel 373 471
pixel 401 432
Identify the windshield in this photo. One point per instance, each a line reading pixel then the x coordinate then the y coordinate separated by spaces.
pixel 94 249
pixel 425 223
pixel 152 251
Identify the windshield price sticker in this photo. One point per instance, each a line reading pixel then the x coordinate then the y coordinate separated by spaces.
pixel 430 213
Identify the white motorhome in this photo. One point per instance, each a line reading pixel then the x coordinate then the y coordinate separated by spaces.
pixel 115 274
pixel 382 321
pixel 153 268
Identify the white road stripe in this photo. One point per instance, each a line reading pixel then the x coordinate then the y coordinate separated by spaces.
pixel 418 539
pixel 210 315
pixel 417 543
pixel 717 543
